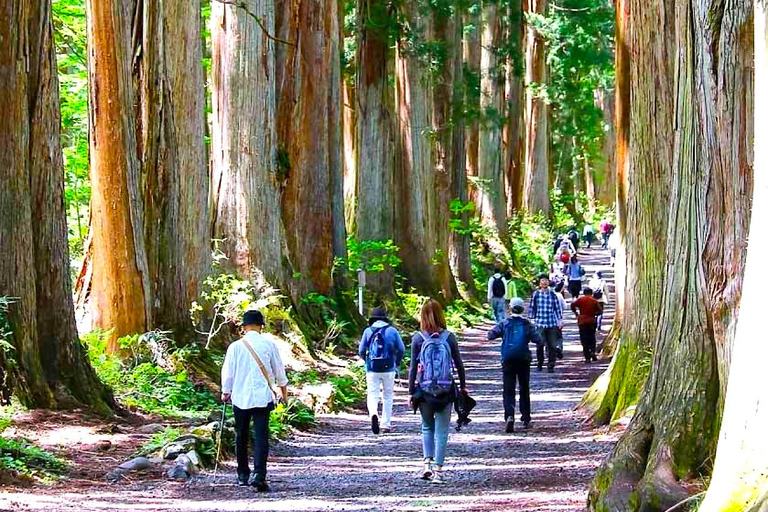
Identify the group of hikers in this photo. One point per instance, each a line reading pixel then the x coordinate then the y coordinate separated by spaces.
pixel 253 363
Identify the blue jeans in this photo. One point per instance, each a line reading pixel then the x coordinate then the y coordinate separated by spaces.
pixel 434 431
pixel 499 305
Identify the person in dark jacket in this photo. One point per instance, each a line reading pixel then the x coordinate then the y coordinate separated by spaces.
pixel 587 310
pixel 516 333
pixel 435 406
pixel 382 349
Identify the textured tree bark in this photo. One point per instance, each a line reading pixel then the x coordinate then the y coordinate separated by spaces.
pixel 491 191
pixel 120 290
pixel 246 164
pixel 536 186
pixel 350 155
pixel 740 477
pixel 472 38
pixel 32 205
pixel 606 177
pixel 309 78
pixel 421 209
pixel 589 185
pixel 514 129
pixel 375 164
pixel 674 431
pixel 171 137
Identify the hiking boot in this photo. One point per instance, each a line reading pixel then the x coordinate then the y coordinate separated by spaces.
pixel 437 476
pixel 526 425
pixel 559 353
pixel 510 427
pixel 540 367
pixel 594 359
pixel 242 481
pixel 375 424
pixel 260 486
pixel 427 473
pixel 551 370
pixel 386 430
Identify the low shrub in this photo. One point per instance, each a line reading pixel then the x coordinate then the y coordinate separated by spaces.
pixel 286 417
pixel 24 459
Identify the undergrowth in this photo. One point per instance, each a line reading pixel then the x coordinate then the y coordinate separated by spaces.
pixel 24 459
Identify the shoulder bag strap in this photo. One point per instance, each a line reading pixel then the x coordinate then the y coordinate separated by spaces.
pixel 256 358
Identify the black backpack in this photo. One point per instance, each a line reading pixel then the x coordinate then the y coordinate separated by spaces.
pixel 497 288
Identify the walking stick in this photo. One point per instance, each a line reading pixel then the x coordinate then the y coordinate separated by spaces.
pixel 218 448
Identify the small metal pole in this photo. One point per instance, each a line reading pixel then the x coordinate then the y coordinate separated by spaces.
pixel 360 287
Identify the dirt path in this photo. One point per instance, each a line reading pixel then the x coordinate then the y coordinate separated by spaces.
pixel 343 466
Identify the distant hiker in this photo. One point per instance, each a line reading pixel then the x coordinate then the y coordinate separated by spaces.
pixel 382 349
pixel 573 236
pixel 516 333
pixel 564 252
pixel 589 234
pixel 547 316
pixel 250 367
pixel 606 229
pixel 511 289
pixel 574 271
pixel 613 245
pixel 587 310
pixel 556 247
pixel 497 292
pixel 600 293
pixel 434 353
pixel 559 292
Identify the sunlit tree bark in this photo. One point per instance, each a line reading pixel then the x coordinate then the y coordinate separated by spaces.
pixel 471 52
pixel 120 288
pixel 51 364
pixel 536 186
pixel 514 128
pixel 171 149
pixel 491 191
pixel 245 159
pixel 673 432
pixel 740 478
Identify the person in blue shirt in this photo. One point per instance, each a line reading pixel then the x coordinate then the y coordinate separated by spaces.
pixel 382 349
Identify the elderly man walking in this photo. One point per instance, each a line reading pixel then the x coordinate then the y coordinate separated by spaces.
pixel 250 367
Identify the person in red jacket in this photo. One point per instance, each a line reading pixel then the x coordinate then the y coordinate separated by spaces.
pixel 587 310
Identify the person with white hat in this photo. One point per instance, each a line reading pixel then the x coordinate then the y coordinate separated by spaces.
pixel 516 333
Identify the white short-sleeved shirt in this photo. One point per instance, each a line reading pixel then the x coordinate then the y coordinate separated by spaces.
pixel 242 377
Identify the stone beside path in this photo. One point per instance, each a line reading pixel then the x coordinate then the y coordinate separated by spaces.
pixel 341 465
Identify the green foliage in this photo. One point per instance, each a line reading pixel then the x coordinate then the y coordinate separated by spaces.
pixel 579 36
pixel 6 334
pixel 348 390
pixel 293 415
pixel 141 383
pixel 70 41
pixel 22 458
pixel 373 256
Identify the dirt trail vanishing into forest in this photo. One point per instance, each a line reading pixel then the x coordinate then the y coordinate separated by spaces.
pixel 341 465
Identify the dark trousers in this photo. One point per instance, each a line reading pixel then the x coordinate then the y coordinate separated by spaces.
pixel 548 340
pixel 588 340
pixel 574 288
pixel 260 436
pixel 514 371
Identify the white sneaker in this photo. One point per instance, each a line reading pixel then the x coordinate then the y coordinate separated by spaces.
pixel 426 473
pixel 437 475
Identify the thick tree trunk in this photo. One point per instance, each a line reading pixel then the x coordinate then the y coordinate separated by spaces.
pixel 491 192
pixel 472 51
pixel 421 208
pixel 350 155
pixel 120 290
pixel 606 177
pixel 171 136
pixel 514 129
pixel 536 186
pixel 589 185
pixel 740 478
pixel 309 78
pixel 375 164
pixel 674 431
pixel 36 272
pixel 246 160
